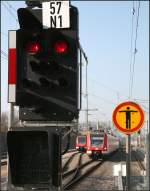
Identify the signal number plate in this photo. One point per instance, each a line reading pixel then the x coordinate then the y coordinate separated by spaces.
pixel 56 14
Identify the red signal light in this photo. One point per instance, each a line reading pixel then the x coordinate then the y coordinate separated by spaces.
pixel 33 47
pixel 61 47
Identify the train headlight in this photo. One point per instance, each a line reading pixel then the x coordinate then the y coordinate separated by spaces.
pixel 88 152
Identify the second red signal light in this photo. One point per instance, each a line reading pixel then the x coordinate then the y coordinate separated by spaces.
pixel 61 47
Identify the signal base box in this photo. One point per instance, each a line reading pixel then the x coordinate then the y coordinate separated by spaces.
pixel 34 158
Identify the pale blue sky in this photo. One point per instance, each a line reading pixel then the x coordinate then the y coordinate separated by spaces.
pixel 105 35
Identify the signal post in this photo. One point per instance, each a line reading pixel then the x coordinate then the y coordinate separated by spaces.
pixel 44 82
pixel 128 117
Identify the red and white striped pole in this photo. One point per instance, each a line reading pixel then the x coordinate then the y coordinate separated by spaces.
pixel 11 89
pixel 12 67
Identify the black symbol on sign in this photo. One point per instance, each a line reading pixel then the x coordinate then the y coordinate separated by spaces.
pixel 128 116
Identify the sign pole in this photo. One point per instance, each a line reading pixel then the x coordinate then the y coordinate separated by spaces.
pixel 87 98
pixel 10 126
pixel 128 117
pixel 128 156
pixel 147 156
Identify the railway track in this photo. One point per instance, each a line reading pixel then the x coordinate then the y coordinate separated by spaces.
pixel 72 150
pixel 66 164
pixel 73 176
pixel 140 164
pixel 73 170
pixel 68 177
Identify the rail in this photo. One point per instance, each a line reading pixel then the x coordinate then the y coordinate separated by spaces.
pixel 69 161
pixel 141 165
pixel 75 180
pixel 73 170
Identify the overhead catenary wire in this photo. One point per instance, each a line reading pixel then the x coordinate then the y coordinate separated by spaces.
pixel 98 110
pixel 9 10
pixel 86 80
pixel 105 100
pixel 10 6
pixel 135 51
pixel 142 100
pixel 4 53
pixel 105 86
pixel 132 70
pixel 99 97
pixel 118 93
pixel 146 109
pixel 131 48
pixel 4 58
pixel 13 9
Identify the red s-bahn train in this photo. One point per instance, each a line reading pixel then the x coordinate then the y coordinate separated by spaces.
pixel 81 142
pixel 97 143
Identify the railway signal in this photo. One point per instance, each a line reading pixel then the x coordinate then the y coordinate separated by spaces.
pixel 43 82
pixel 47 68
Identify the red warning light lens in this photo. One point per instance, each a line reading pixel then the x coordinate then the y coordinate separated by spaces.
pixel 61 47
pixel 33 47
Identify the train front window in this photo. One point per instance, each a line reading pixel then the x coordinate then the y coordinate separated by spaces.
pixel 82 139
pixel 96 140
